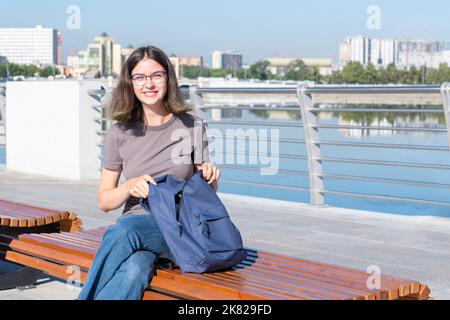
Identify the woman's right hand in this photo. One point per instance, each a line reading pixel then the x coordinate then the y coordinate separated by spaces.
pixel 138 187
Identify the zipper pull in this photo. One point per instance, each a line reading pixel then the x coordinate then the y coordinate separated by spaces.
pixel 180 228
pixel 206 227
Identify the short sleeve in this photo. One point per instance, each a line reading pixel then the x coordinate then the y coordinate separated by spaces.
pixel 111 156
pixel 201 145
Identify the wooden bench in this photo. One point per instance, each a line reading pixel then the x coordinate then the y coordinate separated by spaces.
pixel 262 276
pixel 17 218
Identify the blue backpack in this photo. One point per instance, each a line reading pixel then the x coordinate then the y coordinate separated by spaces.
pixel 194 223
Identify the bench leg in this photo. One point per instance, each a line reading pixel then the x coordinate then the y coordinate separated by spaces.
pixel 23 278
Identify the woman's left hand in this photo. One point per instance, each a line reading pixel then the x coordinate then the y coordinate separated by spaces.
pixel 210 173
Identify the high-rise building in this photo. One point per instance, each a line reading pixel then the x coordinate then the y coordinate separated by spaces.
pixel 226 60
pixel 421 53
pixel 102 57
pixel 382 52
pixel 58 53
pixel 231 61
pixel 37 45
pixel 216 59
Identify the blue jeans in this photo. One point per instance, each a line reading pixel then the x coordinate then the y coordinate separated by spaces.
pixel 125 260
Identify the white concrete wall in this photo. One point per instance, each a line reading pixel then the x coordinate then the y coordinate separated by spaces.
pixel 51 129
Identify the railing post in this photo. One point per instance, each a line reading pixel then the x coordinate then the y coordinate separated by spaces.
pixel 102 96
pixel 196 101
pixel 3 113
pixel 445 93
pixel 311 133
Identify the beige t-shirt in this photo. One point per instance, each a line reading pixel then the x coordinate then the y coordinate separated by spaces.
pixel 171 148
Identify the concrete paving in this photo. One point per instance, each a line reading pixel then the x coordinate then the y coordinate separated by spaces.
pixel 408 247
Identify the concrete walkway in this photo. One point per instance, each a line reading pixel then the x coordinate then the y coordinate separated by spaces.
pixel 409 247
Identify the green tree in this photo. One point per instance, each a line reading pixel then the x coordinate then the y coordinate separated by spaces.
pixel 219 73
pixel 258 70
pixel 48 71
pixel 353 72
pixel 392 74
pixel 371 74
pixel 297 70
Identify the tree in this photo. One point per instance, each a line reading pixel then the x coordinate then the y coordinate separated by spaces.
pixel 297 70
pixel 258 70
pixel 219 73
pixel 371 74
pixel 353 72
pixel 392 74
pixel 48 71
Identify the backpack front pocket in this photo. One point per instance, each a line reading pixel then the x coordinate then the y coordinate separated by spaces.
pixel 218 232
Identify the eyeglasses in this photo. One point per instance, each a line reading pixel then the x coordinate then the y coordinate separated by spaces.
pixel 157 77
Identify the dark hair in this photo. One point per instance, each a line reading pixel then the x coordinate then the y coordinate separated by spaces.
pixel 125 106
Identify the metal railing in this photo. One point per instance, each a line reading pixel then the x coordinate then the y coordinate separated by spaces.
pixel 313 142
pixel 3 115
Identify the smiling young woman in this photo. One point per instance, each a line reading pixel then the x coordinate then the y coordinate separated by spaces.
pixel 153 127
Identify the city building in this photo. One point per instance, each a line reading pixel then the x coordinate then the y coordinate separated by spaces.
pixel 38 46
pixel 216 59
pixel 3 59
pixel 403 53
pixel 179 62
pixel 279 65
pixel 421 53
pixel 126 52
pixel 102 57
pixel 226 60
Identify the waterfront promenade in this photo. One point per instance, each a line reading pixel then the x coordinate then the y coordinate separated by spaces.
pixel 411 247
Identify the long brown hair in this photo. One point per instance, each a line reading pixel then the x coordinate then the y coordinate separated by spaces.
pixel 125 106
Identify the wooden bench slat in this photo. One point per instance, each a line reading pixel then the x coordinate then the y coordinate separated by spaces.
pixel 13 204
pixel 290 275
pixel 300 291
pixel 5 221
pixel 352 273
pixel 153 295
pixel 186 291
pixel 59 271
pixel 22 208
pixel 67 247
pixel 315 283
pixel 311 272
pixel 263 255
pixel 241 291
pixel 50 254
pixel 98 232
pixel 20 219
pixel 45 239
pixel 82 237
pixel 23 211
pixel 392 290
pixel 68 239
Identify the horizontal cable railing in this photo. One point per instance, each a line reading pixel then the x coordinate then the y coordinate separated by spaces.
pixel 329 126
pixel 310 126
pixel 385 180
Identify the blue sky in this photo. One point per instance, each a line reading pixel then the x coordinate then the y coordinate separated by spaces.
pixel 256 28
